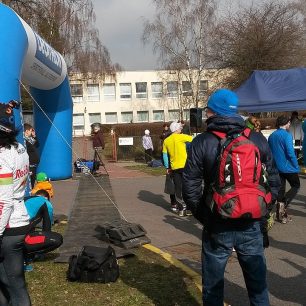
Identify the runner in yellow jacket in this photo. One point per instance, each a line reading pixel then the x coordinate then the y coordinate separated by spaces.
pixel 174 148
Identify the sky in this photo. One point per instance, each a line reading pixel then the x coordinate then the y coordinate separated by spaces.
pixel 120 24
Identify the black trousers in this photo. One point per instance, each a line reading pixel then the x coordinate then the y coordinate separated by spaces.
pixel 148 155
pixel 294 182
pixel 177 178
pixel 33 170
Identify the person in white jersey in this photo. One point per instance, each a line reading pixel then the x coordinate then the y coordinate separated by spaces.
pixel 14 219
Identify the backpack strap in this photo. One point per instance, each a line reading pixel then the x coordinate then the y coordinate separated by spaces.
pixel 246 132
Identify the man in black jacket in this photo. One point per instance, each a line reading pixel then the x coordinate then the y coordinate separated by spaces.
pixel 32 150
pixel 221 235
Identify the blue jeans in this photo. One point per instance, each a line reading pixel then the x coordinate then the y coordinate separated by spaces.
pixel 216 249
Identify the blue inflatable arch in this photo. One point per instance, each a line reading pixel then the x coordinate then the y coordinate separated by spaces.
pixel 26 57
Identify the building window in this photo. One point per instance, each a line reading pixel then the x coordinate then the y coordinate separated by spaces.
pixel 186 114
pixel 174 114
pixel 78 122
pixel 127 117
pixel 77 92
pixel 111 118
pixel 94 117
pixel 109 92
pixel 143 116
pixel 141 90
pixel 93 94
pixel 172 89
pixel 158 115
pixel 186 88
pixel 203 87
pixel 125 91
pixel 157 90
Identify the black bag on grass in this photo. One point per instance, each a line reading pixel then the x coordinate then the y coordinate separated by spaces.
pixel 94 265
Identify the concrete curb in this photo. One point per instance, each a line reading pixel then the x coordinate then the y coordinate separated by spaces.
pixel 193 275
pixel 196 277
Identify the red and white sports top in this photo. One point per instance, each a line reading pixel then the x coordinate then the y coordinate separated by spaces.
pixel 14 169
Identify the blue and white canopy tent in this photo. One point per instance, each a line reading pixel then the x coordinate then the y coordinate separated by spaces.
pixel 273 91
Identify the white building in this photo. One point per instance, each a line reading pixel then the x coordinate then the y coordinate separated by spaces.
pixel 134 96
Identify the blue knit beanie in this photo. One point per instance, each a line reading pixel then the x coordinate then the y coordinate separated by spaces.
pixel 223 102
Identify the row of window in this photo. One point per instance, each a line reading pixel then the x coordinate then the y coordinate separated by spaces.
pixel 127 117
pixel 141 90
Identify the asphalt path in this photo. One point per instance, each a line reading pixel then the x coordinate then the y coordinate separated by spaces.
pixel 141 199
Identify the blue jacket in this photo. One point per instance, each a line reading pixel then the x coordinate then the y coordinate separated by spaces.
pixel 40 209
pixel 281 144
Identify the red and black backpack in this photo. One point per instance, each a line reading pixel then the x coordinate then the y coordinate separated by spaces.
pixel 241 189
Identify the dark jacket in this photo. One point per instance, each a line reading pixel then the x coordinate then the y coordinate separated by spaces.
pixel 201 165
pixel 98 140
pixel 165 134
pixel 32 150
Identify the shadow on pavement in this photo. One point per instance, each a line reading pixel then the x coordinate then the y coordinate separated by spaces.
pixel 294 287
pixel 234 294
pixel 162 285
pixel 294 248
pixel 185 224
pixel 156 199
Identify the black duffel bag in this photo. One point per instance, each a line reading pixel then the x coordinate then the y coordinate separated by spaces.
pixel 94 265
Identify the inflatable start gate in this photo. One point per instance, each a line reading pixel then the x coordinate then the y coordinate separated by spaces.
pixel 25 57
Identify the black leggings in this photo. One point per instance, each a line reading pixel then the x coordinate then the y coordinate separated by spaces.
pixel 177 179
pixel 294 182
pixel 42 242
pixel 13 289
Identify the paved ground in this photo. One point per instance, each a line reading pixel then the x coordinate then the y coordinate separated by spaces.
pixel 140 199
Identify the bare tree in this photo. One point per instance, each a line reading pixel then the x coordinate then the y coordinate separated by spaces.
pixel 68 26
pixel 180 34
pixel 265 36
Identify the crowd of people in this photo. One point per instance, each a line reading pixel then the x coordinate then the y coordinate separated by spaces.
pixel 230 178
pixel 193 167
pixel 25 222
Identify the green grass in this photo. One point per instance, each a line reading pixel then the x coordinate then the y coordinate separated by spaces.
pixel 145 279
pixel 149 170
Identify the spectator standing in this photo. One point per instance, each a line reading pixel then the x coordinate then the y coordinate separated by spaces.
pixel 253 123
pixel 165 133
pixel 281 144
pixel 221 234
pixel 185 127
pixel 32 145
pixel 147 145
pixel 14 219
pixel 98 145
pixel 169 177
pixel 174 157
pixel 296 131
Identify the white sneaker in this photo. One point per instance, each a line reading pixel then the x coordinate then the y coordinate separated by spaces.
pixel 182 213
pixel 174 208
pixel 280 211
